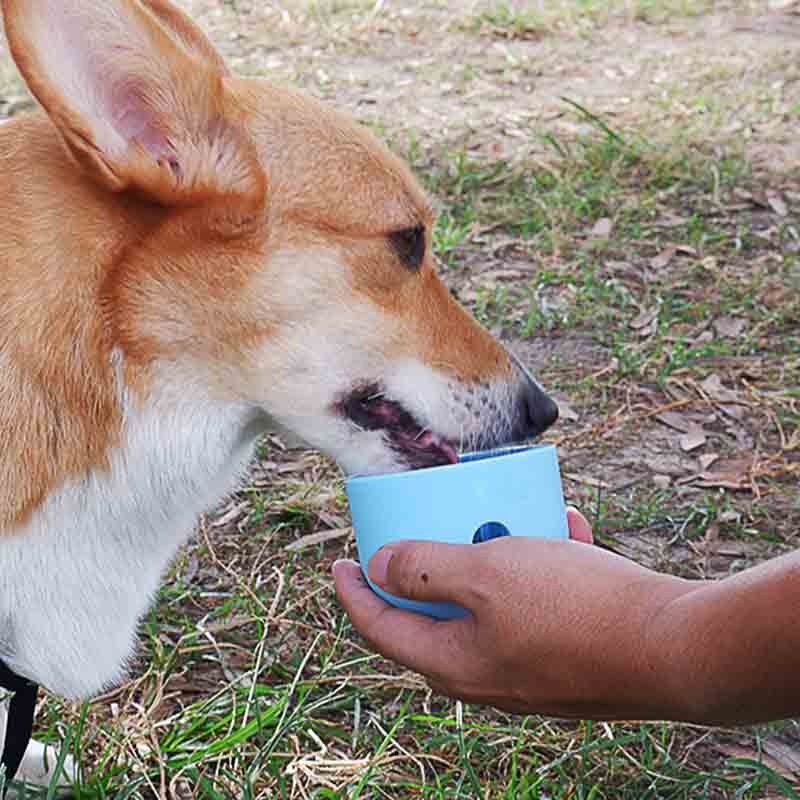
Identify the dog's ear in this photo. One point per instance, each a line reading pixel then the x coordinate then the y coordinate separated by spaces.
pixel 137 92
pixel 188 34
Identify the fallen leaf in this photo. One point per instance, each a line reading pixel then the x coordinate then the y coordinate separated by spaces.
pixel 566 411
pixel 290 466
pixel 707 459
pixel 666 464
pixel 784 754
pixel 731 551
pixel 235 621
pixel 332 521
pixel 676 421
pixel 713 387
pixel 772 295
pixel 705 336
pixel 693 439
pixel 671 221
pixel 309 540
pixel 759 199
pixel 587 479
pixel 733 410
pixel 729 327
pixel 730 474
pixel 675 392
pixel 663 258
pixel 602 228
pixel 645 319
pixel 610 367
pixel 777 204
pixel 235 511
pixel 490 277
pixel 710 480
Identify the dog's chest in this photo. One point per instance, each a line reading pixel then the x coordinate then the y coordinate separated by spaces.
pixel 75 582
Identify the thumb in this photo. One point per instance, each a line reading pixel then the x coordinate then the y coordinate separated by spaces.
pixel 428 571
pixel 579 528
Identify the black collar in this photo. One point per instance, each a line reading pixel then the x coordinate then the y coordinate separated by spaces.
pixel 19 724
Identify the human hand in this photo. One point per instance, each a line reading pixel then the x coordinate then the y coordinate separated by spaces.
pixel 555 627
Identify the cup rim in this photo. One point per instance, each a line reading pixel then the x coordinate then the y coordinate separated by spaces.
pixel 466 461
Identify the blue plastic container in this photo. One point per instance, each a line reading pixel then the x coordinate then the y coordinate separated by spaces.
pixel 510 492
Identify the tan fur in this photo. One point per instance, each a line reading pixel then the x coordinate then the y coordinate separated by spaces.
pixel 92 241
pixel 58 414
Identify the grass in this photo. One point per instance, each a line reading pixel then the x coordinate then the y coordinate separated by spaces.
pixel 658 197
pixel 300 732
pixel 251 682
pixel 606 256
pixel 534 20
pixel 604 174
pixel 506 22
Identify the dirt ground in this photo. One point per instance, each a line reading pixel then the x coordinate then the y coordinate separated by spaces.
pixel 390 63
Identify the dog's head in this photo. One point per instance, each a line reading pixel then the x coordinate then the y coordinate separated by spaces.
pixel 272 246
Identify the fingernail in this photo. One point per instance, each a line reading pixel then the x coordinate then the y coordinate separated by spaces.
pixel 379 566
pixel 341 561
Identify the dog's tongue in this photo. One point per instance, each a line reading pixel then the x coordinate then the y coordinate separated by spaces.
pixel 449 451
pixel 430 440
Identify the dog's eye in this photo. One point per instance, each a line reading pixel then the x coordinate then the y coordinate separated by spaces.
pixel 409 244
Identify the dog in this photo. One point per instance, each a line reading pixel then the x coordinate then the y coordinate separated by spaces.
pixel 188 258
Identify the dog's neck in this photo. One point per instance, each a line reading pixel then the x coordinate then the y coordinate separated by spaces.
pixel 113 460
pixel 70 598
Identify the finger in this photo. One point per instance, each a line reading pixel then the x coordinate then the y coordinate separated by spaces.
pixel 353 591
pixel 423 644
pixel 579 528
pixel 431 572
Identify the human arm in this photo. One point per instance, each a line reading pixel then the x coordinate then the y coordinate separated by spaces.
pixel 569 630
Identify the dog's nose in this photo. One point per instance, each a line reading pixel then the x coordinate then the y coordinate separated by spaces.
pixel 541 410
pixel 538 411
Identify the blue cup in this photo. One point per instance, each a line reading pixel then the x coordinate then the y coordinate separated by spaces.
pixel 509 492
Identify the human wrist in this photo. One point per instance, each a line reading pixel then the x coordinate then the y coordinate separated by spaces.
pixel 669 637
pixel 735 646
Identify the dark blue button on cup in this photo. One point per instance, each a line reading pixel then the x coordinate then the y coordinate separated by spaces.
pixel 489 531
pixel 509 492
